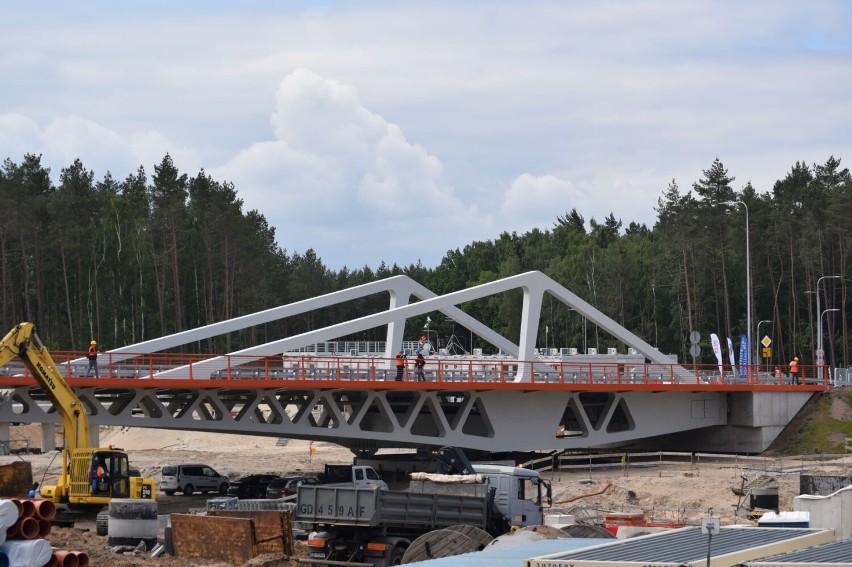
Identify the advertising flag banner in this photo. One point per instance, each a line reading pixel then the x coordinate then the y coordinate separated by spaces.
pixel 731 355
pixel 717 349
pixel 744 361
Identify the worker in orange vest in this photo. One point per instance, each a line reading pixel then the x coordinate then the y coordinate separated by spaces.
pixel 92 355
pixel 794 370
pixel 400 364
pixel 99 478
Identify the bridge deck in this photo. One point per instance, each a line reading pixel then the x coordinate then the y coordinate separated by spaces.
pixel 487 373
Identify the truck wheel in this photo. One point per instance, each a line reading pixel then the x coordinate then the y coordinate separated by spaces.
pixel 396 556
pixel 188 490
pixel 223 488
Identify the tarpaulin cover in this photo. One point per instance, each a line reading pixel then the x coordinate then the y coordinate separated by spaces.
pixel 26 552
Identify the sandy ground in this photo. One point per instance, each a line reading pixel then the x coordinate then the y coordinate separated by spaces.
pixel 678 492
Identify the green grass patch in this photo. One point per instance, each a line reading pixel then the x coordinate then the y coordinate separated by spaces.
pixel 821 433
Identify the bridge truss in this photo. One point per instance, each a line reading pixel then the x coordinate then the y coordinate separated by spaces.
pixel 263 390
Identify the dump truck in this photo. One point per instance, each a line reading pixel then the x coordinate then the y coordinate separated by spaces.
pixel 358 526
pixel 90 476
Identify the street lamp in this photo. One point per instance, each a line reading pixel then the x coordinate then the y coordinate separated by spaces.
pixel 426 328
pixel 819 340
pixel 811 321
pixel 820 354
pixel 748 282
pixel 758 331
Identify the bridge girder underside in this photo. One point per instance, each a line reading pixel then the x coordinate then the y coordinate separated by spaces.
pixel 369 419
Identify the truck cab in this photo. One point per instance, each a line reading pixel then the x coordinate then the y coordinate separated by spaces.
pixel 359 476
pixel 520 493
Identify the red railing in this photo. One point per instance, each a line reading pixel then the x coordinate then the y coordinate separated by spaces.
pixel 485 372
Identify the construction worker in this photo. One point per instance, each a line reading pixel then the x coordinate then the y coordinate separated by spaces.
pixel 92 355
pixel 794 370
pixel 98 478
pixel 400 364
pixel 419 363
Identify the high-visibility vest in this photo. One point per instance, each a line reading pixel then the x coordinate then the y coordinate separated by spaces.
pixel 400 359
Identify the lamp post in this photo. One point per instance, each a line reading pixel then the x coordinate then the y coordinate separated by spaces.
pixel 426 328
pixel 821 361
pixel 811 321
pixel 820 353
pixel 748 282
pixel 758 331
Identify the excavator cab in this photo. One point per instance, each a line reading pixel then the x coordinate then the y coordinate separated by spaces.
pixel 110 474
pixel 98 475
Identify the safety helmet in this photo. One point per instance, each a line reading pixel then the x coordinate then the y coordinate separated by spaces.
pixel 401 351
pixel 795 358
pixel 94 342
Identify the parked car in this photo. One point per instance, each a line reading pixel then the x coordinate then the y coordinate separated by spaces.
pixel 251 486
pixel 191 478
pixel 287 485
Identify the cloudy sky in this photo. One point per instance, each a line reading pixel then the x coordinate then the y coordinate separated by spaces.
pixel 396 131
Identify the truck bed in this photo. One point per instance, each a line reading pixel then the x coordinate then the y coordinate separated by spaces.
pixel 371 508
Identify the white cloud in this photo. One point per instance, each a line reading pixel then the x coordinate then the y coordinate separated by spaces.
pixel 66 138
pixel 531 199
pixel 409 129
pixel 344 181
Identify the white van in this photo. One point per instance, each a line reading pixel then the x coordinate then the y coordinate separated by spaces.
pixel 192 478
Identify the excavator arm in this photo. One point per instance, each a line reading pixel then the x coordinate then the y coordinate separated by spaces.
pixel 23 341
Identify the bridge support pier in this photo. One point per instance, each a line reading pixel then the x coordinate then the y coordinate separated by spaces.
pixel 48 437
pixel 755 419
pixel 95 435
pixel 5 438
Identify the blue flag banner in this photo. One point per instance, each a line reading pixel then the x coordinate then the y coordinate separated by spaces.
pixel 744 361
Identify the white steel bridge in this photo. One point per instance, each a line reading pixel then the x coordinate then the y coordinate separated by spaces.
pixel 520 401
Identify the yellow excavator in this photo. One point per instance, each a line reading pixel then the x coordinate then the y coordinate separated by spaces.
pixel 89 476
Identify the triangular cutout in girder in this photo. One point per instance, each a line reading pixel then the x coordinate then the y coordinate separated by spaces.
pixel 349 403
pixel 376 419
pixel 426 422
pixel 621 419
pixel 477 422
pixel 572 423
pixel 453 405
pixel 403 405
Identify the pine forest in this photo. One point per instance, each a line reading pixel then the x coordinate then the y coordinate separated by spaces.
pixel 127 260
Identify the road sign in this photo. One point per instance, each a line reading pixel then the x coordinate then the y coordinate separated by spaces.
pixel 767 353
pixel 710 526
pixel 694 350
pixel 766 341
pixel 694 338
